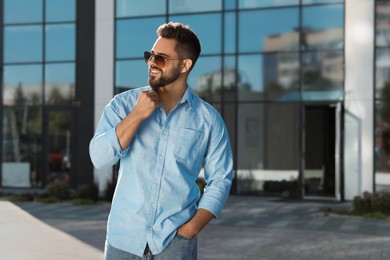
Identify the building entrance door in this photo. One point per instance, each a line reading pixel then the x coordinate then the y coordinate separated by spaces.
pixel 321 176
pixel 58 144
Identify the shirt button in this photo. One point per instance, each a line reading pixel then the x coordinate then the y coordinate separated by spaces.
pixel 156 181
pixel 160 157
pixel 164 132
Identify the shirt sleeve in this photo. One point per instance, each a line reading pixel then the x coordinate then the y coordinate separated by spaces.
pixel 104 148
pixel 218 169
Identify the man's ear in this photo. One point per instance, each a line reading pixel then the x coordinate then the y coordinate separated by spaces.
pixel 186 65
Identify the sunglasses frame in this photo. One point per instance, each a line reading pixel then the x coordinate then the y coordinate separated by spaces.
pixel 159 60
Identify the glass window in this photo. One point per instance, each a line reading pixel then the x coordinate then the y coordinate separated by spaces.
pixel 305 2
pixel 382 25
pixel 382 76
pixel 130 74
pixel 229 78
pixel 135 36
pixel 323 27
pixel 22 43
pixel 382 146
pixel 230 33
pixel 22 146
pixel 265 3
pixel 268 77
pixel 22 85
pixel 323 75
pixel 268 149
pixel 22 11
pixel 230 4
pixel 60 42
pixel 206 78
pixel 180 6
pixel 208 29
pixel 276 30
pixel 130 8
pixel 60 10
pixel 59 83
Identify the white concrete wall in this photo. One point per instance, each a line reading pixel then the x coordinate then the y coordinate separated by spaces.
pixel 104 69
pixel 359 80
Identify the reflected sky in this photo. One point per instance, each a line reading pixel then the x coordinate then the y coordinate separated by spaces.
pixel 30 13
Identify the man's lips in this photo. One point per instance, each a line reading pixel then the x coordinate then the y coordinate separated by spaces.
pixel 154 71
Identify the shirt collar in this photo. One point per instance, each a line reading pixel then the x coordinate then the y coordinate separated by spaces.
pixel 189 97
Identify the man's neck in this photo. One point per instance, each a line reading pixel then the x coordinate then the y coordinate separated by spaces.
pixel 170 95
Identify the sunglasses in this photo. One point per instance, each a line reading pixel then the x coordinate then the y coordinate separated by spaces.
pixel 158 59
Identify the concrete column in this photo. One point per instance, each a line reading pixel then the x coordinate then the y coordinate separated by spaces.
pixel 104 69
pixel 359 87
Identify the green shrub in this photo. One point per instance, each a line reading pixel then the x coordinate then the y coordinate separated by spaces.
pixel 58 189
pixel 372 204
pixel 90 192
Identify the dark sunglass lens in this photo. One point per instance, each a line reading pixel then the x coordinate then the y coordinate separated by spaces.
pixel 159 60
pixel 147 56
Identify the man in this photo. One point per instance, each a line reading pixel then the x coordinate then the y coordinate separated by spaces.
pixel 163 135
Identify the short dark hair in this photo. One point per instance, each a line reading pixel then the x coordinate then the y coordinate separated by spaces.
pixel 188 42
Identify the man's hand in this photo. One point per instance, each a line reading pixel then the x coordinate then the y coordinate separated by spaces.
pixel 147 102
pixel 196 224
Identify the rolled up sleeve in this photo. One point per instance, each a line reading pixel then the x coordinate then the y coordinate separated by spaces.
pixel 104 148
pixel 218 169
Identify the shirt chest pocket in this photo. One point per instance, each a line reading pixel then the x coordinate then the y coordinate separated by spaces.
pixel 186 144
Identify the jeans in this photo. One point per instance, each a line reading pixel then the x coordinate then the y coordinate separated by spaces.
pixel 181 248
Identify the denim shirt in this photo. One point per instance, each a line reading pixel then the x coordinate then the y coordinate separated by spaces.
pixel 156 191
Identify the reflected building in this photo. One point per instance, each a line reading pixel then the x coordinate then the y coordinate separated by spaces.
pixel 304 97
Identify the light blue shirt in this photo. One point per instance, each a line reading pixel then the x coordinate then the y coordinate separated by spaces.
pixel 156 191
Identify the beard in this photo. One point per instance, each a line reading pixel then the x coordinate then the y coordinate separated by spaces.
pixel 163 80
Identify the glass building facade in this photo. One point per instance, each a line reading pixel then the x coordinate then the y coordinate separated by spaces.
pixel 301 85
pixel 39 92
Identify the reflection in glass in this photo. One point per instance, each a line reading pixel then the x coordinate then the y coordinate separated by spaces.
pixel 382 77
pixel 266 3
pixel 60 42
pixel 230 33
pixel 305 2
pixel 22 146
pixel 323 27
pixel 60 10
pixel 276 30
pixel 382 145
pixel 323 75
pixel 59 141
pixel 180 6
pixel 59 83
pixel 208 29
pixel 229 78
pixel 268 77
pixel 268 149
pixel 130 8
pixel 22 85
pixel 230 4
pixel 135 36
pixel 22 43
pixel 22 11
pixel 382 25
pixel 130 74
pixel 206 78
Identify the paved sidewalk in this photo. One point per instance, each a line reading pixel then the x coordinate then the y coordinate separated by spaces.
pixel 248 228
pixel 24 237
